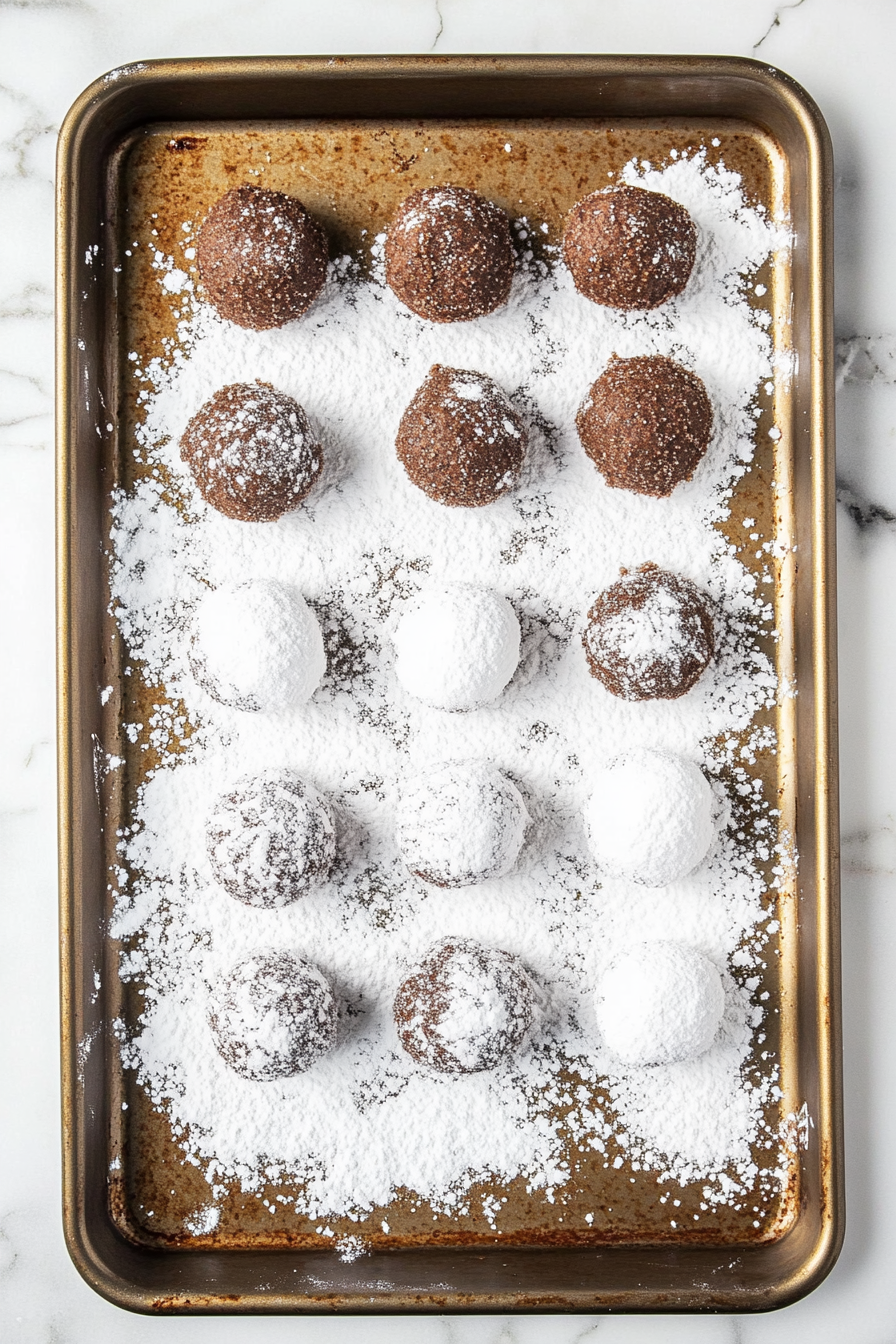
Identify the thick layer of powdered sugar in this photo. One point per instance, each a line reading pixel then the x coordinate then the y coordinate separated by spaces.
pixel 257 646
pixel 660 1003
pixel 457 646
pixel 365 1119
pixel 650 817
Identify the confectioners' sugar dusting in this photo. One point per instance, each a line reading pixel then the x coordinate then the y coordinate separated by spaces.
pixel 256 646
pixel 365 1119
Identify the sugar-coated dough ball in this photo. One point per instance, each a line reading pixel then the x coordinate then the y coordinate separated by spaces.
pixel 270 839
pixel 650 635
pixel 252 452
pixel 629 248
pixel 460 823
pixel 262 257
pixel 257 647
pixel 650 817
pixel 660 1003
pixel 458 646
pixel 272 1016
pixel 465 1007
pixel 460 440
pixel 448 254
pixel 646 424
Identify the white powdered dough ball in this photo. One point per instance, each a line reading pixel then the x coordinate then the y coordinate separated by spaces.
pixel 650 817
pixel 460 823
pixel 257 647
pixel 660 1003
pixel 458 646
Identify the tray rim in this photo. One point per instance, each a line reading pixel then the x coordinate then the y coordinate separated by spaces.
pixel 106 102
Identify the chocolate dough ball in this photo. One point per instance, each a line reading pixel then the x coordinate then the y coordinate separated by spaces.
pixel 629 248
pixel 460 440
pixel 448 254
pixel 465 1008
pixel 273 1016
pixel 645 424
pixel 252 452
pixel 262 257
pixel 271 839
pixel 649 636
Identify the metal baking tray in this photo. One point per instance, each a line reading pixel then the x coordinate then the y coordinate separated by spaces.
pixel 162 133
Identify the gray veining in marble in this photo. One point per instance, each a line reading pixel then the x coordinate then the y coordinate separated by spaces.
pixel 841 50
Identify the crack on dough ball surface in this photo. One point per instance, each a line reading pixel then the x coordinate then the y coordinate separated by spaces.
pixel 449 257
pixel 271 839
pixel 460 823
pixel 660 1003
pixel 650 817
pixel 252 452
pixel 457 646
pixel 649 636
pixel 257 647
pixel 262 257
pixel 646 423
pixel 272 1016
pixel 629 248
pixel 465 1007
pixel 460 440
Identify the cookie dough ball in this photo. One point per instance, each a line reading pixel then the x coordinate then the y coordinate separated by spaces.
pixel 458 646
pixel 252 452
pixel 460 824
pixel 448 254
pixel 649 636
pixel 273 1016
pixel 629 248
pixel 660 1003
pixel 262 257
pixel 460 440
pixel 650 817
pixel 271 839
pixel 645 424
pixel 257 647
pixel 465 1007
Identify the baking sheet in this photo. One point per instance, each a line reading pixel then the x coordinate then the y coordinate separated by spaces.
pixel 167 172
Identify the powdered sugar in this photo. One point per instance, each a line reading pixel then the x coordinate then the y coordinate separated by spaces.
pixel 365 546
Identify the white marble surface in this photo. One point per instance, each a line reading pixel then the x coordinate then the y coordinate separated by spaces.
pixel 841 50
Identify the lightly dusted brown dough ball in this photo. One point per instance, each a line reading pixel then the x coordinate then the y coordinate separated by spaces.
pixel 629 248
pixel 262 257
pixel 252 452
pixel 449 257
pixel 465 1007
pixel 645 424
pixel 460 440
pixel 649 636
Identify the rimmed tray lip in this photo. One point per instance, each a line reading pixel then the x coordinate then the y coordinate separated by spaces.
pixel 172 90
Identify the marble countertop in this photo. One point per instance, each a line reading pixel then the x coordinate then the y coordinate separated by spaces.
pixel 841 51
